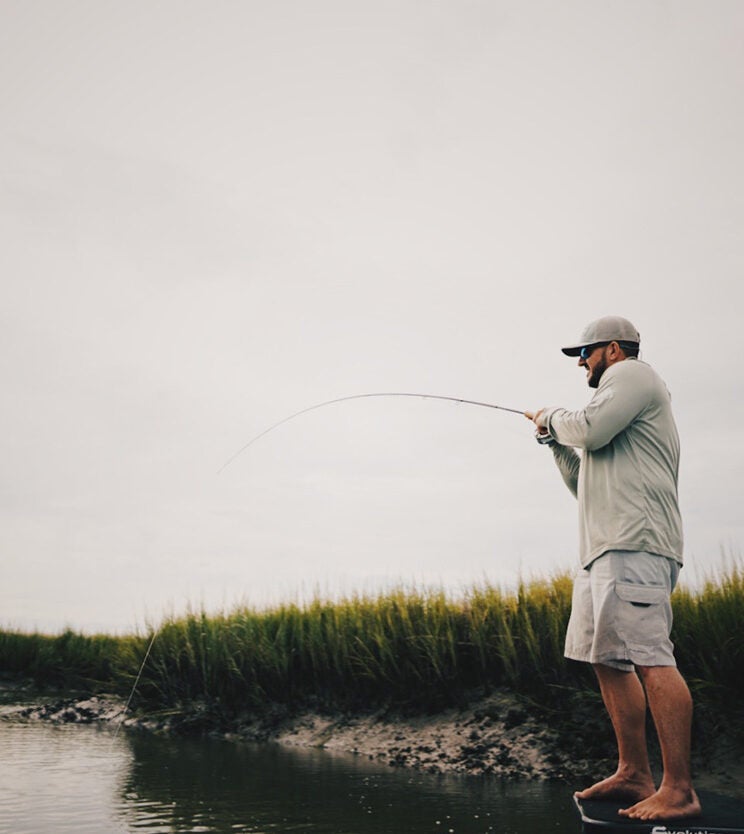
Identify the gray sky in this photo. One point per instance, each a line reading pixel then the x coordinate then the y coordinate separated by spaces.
pixel 215 214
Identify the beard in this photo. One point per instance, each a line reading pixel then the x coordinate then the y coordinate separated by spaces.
pixel 599 369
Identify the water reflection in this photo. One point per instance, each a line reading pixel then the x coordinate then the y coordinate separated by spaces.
pixel 71 779
pixel 60 779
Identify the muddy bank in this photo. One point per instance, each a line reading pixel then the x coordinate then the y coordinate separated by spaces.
pixel 498 735
pixel 494 735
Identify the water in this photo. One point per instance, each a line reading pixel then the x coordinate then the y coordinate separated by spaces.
pixel 64 779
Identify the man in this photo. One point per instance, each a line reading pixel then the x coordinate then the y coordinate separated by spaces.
pixel 631 552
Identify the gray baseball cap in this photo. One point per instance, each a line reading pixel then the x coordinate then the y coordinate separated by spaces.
pixel 606 329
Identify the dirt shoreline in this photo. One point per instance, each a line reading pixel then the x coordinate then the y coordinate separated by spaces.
pixel 493 735
pixel 496 735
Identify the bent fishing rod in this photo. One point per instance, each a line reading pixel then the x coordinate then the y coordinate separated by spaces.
pixel 360 397
pixel 276 426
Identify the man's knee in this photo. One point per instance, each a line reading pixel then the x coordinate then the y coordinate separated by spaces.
pixel 611 676
pixel 661 676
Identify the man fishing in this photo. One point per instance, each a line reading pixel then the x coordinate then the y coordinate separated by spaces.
pixel 630 533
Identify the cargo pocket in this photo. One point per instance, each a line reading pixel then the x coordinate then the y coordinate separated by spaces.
pixel 642 614
pixel 640 595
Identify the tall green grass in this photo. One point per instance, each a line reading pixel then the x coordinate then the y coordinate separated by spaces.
pixel 406 646
pixel 69 659
pixel 709 637
pixel 412 647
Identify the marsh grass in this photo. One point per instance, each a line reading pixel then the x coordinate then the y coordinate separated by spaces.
pixel 709 643
pixel 65 660
pixel 413 648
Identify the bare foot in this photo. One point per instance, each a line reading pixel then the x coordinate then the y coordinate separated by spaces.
pixel 666 804
pixel 620 786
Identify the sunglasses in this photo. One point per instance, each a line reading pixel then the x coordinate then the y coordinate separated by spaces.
pixel 587 351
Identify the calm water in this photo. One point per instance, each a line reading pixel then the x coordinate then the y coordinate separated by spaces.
pixel 73 779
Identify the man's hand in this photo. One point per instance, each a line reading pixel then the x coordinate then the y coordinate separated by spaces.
pixel 535 416
pixel 542 435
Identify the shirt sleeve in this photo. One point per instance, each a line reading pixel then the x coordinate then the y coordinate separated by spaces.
pixel 568 463
pixel 622 395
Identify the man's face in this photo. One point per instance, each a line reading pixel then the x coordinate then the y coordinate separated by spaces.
pixel 595 364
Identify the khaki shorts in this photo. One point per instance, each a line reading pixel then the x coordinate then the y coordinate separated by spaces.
pixel 621 614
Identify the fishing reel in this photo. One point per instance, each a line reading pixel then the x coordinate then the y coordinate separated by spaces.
pixel 544 439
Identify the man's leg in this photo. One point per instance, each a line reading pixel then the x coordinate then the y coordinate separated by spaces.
pixel 626 703
pixel 671 707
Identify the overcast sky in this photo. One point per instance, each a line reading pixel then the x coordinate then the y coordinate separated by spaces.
pixel 214 214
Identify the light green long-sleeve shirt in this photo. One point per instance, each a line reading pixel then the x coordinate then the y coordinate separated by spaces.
pixel 626 477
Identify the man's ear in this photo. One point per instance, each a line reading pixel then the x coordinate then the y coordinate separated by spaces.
pixel 615 352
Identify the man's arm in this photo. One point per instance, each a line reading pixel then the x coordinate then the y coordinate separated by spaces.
pixel 620 398
pixel 567 461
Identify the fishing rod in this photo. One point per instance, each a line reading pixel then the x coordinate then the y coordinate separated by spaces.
pixel 265 432
pixel 360 397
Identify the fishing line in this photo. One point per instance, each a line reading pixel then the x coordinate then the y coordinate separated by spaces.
pixel 360 397
pixel 276 426
pixel 131 694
